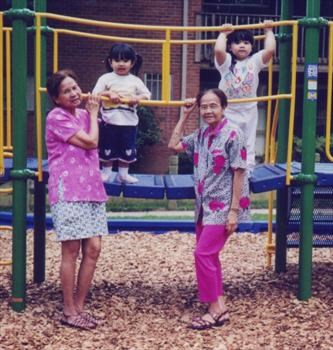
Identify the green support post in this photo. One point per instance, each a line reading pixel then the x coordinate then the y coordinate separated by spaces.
pixel 312 25
pixel 19 103
pixel 39 187
pixel 284 111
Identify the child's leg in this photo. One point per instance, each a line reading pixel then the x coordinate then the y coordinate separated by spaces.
pixel 107 136
pixel 106 170
pixel 251 135
pixel 127 153
pixel 210 241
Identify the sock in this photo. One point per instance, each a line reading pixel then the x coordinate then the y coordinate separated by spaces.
pixel 107 170
pixel 123 172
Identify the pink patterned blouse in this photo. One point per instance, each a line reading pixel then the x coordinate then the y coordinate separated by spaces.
pixel 76 167
pixel 216 153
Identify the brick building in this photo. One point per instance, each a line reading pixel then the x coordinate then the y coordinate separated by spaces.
pixel 191 70
pixel 86 56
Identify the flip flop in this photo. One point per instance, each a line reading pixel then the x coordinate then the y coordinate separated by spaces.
pixel 77 321
pixel 89 317
pixel 216 320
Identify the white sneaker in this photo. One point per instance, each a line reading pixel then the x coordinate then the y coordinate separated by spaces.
pixel 105 174
pixel 128 179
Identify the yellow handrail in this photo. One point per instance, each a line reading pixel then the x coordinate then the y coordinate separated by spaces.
pixel 292 102
pixel 181 103
pixel 158 28
pixel 269 110
pixel 38 99
pixel 55 51
pixel 166 67
pixel 136 40
pixel 8 92
pixel 329 95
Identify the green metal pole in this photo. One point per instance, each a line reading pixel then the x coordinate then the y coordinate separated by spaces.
pixel 312 29
pixel 284 109
pixel 19 102
pixel 39 187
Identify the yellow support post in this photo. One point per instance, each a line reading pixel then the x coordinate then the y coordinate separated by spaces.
pixel 8 91
pixel 292 103
pixel 329 95
pixel 166 67
pixel 38 99
pixel 55 51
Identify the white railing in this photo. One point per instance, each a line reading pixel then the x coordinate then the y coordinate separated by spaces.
pixel 205 53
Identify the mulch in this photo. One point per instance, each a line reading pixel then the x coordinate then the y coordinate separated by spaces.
pixel 144 294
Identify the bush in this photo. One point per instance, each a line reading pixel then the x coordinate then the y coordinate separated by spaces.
pixel 149 132
pixel 319 148
pixel 185 164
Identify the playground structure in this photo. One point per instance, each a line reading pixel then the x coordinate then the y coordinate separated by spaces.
pixel 267 177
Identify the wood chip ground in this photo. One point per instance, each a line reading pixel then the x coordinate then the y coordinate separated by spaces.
pixel 144 294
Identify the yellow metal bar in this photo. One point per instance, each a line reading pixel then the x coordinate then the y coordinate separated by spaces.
pixel 2 163
pixel 269 244
pixel 329 95
pixel 109 38
pixel 272 151
pixel 157 28
pixel 6 190
pixel 261 98
pixel 55 51
pixel 137 40
pixel 6 228
pixel 292 103
pixel 269 111
pixel 38 97
pixel 166 67
pixel 8 92
pixel 181 103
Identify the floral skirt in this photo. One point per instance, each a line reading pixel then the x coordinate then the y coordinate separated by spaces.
pixel 78 220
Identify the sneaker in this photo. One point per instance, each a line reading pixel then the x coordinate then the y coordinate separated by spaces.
pixel 128 179
pixel 106 174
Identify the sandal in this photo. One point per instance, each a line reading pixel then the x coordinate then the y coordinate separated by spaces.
pixel 77 321
pixel 222 319
pixel 89 317
pixel 216 320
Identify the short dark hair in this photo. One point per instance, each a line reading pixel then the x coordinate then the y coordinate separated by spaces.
pixel 219 93
pixel 122 51
pixel 240 35
pixel 55 80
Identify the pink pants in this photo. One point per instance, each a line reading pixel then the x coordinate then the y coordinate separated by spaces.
pixel 210 241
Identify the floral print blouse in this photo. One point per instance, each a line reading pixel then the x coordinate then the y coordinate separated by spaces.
pixel 216 153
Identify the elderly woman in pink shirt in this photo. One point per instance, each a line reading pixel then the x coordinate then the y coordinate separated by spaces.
pixel 76 193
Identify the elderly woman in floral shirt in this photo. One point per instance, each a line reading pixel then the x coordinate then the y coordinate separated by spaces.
pixel 222 194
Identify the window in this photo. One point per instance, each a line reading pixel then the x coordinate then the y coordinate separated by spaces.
pixel 153 81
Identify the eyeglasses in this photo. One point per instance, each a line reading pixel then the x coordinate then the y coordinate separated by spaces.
pixel 212 107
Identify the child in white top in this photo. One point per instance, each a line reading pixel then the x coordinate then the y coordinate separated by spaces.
pixel 239 69
pixel 119 121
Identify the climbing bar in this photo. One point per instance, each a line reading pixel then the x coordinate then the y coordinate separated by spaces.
pixel 181 103
pixel 157 28
pixel 38 99
pixel 329 95
pixel 293 101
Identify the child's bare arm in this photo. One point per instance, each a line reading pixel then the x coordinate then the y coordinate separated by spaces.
pixel 220 49
pixel 270 43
